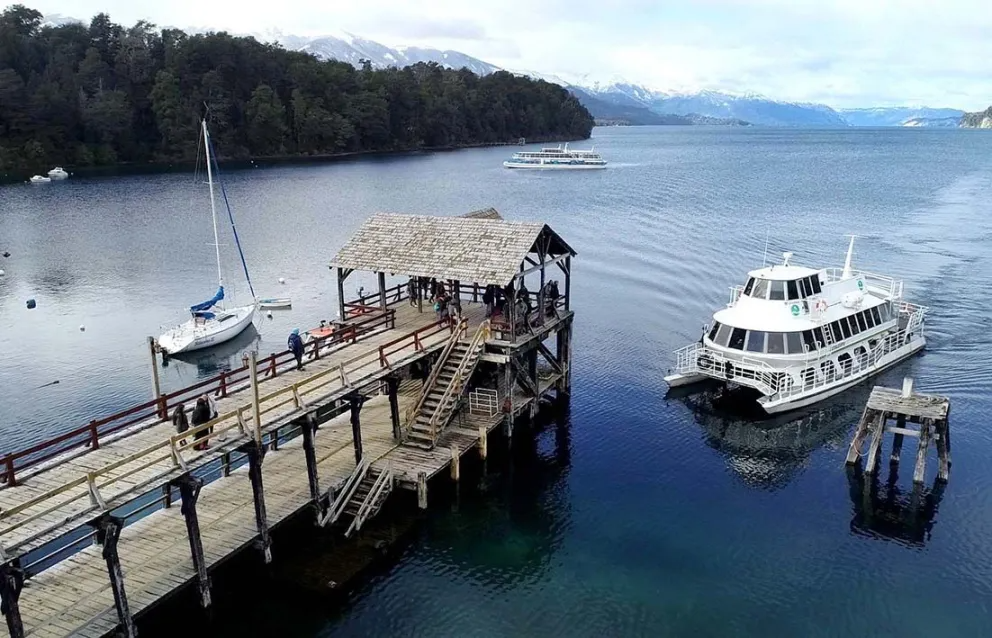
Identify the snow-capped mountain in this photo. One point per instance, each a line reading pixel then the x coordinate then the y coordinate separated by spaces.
pixel 350 48
pixel 897 115
pixel 932 122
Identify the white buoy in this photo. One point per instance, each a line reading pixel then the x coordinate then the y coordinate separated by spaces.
pixel 82 328
pixel 268 314
pixel 2 273
pixel 281 280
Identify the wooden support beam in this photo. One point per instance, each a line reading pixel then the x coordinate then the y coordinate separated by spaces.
pixel 162 410
pixel 392 389
pixel 11 584
pixel 483 442
pixel 568 282
pixel 875 448
pixel 309 429
pixel 943 450
pixel 108 533
pixel 422 490
pixel 256 453
pixel 860 433
pixel 926 432
pixel 355 402
pixel 341 277
pixel 255 401
pixel 550 356
pixel 455 469
pixel 381 276
pixel 899 430
pixel 189 492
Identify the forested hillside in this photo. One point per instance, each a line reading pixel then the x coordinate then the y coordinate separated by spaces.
pixel 106 94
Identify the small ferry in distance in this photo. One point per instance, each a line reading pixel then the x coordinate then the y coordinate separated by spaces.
pixel 558 157
pixel 798 335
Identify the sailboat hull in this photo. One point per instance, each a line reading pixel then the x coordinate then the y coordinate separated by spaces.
pixel 196 335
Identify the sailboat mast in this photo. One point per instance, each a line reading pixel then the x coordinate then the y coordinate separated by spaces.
pixel 213 207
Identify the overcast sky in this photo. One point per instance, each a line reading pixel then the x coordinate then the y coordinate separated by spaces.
pixel 840 52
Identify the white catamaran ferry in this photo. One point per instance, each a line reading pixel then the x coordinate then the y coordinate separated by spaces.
pixel 557 157
pixel 799 335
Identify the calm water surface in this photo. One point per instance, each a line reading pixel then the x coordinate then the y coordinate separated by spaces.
pixel 641 515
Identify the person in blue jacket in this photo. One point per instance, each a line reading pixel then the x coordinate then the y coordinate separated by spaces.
pixel 295 345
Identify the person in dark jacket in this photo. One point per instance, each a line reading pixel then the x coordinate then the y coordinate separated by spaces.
pixel 179 420
pixel 295 345
pixel 200 416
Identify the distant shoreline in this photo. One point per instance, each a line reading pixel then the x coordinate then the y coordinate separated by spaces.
pixel 166 166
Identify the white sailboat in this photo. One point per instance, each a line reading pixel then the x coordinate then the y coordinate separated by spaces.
pixel 211 323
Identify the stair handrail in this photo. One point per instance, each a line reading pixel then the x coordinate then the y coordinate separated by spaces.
pixel 456 335
pixel 457 381
pixel 347 491
pixel 365 509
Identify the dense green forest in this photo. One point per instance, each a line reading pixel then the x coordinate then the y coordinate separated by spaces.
pixel 105 94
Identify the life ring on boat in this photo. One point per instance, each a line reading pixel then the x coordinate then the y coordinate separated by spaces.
pixel 820 306
pixel 705 362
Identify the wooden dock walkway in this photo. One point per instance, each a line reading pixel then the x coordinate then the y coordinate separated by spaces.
pixel 90 531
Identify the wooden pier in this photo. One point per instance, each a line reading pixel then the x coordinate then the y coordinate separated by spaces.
pixel 929 413
pixel 103 522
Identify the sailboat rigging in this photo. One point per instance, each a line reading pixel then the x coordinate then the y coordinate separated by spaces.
pixel 211 323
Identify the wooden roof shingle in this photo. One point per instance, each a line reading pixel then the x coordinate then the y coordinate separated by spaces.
pixel 469 249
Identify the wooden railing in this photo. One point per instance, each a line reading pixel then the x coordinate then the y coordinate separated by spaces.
pixel 93 492
pixel 158 409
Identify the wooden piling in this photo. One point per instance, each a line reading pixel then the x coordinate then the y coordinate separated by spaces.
pixel 926 432
pixel 455 469
pixel 392 389
pixel 875 447
pixel 189 492
pixel 11 584
pixel 309 429
pixel 356 400
pixel 255 402
pixel 256 452
pixel 163 409
pixel 897 438
pixel 108 534
pixel 422 490
pixel 483 442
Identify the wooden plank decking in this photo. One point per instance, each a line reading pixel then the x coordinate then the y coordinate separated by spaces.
pixel 47 503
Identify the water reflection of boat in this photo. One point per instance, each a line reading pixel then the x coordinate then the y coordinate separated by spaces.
pixel 892 514
pixel 767 453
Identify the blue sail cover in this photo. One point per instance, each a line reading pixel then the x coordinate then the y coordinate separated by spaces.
pixel 210 303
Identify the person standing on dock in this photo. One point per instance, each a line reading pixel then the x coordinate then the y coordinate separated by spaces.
pixel 295 345
pixel 489 298
pixel 179 420
pixel 201 416
pixel 411 291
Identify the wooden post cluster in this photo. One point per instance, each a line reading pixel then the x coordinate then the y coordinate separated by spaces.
pixel 928 412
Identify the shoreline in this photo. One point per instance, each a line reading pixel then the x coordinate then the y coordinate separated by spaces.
pixel 179 166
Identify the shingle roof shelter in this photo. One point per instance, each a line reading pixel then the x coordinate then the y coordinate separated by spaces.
pixel 480 248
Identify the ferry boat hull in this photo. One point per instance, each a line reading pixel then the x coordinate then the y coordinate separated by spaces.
pixel 556 167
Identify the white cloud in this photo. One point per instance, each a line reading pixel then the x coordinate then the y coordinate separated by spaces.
pixel 843 52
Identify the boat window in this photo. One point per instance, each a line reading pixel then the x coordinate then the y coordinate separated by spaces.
pixel 809 376
pixel 760 289
pixel 777 291
pixel 854 325
pixel 756 341
pixel 876 315
pixel 737 339
pixel 829 371
pixel 776 343
pixel 846 363
pixel 723 335
pixel 835 332
pixel 845 328
pixel 748 286
pixel 713 331
pixel 815 281
pixel 869 320
pixel 808 339
pixel 861 321
pixel 803 288
pixel 818 336
pixel 795 343
pixel 793 290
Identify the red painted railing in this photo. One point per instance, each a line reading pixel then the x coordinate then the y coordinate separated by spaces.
pixel 90 434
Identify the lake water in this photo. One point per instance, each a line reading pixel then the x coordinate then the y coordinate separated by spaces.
pixel 639 515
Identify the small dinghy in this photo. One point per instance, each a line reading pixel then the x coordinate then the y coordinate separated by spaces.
pixel 275 302
pixel 39 179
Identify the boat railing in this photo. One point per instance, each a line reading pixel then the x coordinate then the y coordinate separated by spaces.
pixel 882 285
pixel 158 409
pixel 735 294
pixel 697 358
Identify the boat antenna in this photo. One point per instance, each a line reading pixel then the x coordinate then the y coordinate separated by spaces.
pixel 847 261
pixel 764 257
pixel 213 207
pixel 234 229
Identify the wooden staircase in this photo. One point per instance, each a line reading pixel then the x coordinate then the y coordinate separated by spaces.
pixel 444 388
pixel 361 496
